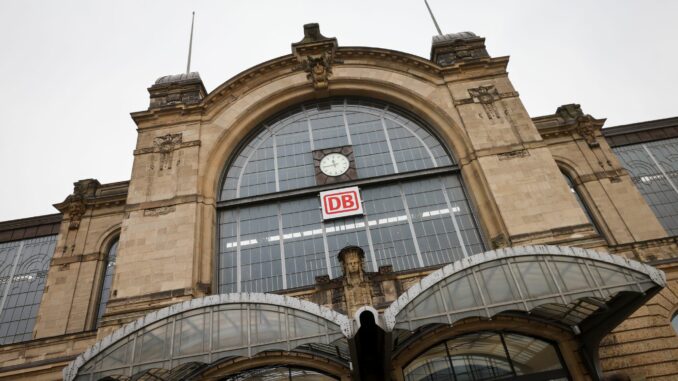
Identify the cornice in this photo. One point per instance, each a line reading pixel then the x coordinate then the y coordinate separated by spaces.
pixel 251 78
pixel 31 222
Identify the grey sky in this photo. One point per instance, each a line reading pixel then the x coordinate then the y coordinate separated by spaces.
pixel 72 71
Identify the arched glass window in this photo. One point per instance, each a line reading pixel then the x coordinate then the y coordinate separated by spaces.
pixel 674 322
pixel 488 356
pixel 581 203
pixel 272 234
pixel 108 279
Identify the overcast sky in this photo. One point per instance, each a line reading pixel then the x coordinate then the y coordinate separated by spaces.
pixel 72 71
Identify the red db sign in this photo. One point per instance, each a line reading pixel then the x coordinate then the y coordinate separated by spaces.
pixel 341 203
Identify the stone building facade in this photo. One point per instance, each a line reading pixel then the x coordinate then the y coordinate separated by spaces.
pixel 489 244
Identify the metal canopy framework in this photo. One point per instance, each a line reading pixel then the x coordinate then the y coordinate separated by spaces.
pixel 204 331
pixel 582 290
pixel 562 285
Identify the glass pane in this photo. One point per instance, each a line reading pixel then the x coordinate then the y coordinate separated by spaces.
pixel 266 326
pixel 153 344
pixel 498 284
pixel 433 364
pixel 190 334
pixel 228 330
pixel 479 357
pixel 531 355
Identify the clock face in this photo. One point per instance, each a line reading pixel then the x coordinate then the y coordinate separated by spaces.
pixel 334 164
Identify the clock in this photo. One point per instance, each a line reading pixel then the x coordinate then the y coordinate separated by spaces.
pixel 334 164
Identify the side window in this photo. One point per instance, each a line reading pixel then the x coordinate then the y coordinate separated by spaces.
pixel 674 322
pixel 23 270
pixel 580 201
pixel 108 279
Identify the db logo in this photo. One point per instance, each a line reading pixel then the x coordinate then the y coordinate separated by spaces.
pixel 341 203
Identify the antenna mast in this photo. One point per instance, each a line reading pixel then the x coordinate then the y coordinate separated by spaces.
pixel 190 46
pixel 440 32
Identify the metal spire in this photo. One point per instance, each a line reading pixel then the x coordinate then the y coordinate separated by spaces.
pixel 440 32
pixel 190 45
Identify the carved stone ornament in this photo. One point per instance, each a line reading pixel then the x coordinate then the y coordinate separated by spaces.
pixel 586 129
pixel 357 289
pixel 499 241
pixel 315 54
pixel 75 203
pixel 159 211
pixel 486 96
pixel 165 145
pixel 318 69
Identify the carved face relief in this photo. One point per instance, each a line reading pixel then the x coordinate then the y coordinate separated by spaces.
pixel 353 264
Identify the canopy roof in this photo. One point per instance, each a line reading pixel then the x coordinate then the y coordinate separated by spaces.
pixel 203 331
pixel 586 291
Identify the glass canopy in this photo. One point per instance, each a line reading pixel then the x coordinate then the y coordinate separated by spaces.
pixel 582 290
pixel 206 330
pixel 560 284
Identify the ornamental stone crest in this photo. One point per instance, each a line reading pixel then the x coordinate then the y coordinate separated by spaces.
pixel 315 54
pixel 486 96
pixel 165 145
pixel 318 70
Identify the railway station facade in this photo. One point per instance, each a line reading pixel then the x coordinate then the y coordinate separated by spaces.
pixel 352 213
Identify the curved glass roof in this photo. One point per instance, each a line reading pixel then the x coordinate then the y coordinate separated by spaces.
pixel 209 329
pixel 560 284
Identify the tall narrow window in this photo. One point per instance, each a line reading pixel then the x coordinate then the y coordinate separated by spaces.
pixel 108 279
pixel 581 203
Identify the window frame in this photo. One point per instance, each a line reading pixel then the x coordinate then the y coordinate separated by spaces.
pixel 103 260
pixel 587 205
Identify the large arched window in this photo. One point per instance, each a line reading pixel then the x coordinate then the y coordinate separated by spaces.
pixel 488 356
pixel 108 279
pixel 271 232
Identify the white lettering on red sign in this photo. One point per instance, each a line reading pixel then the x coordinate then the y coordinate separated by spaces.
pixel 341 203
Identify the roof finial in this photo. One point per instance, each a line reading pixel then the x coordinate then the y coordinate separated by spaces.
pixel 190 46
pixel 440 32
